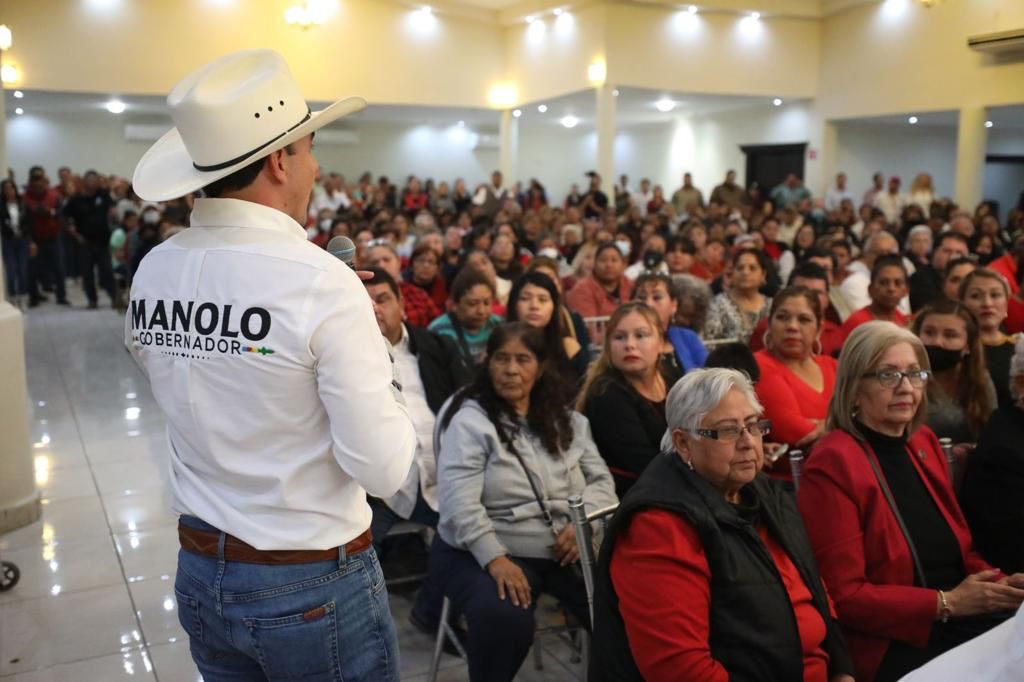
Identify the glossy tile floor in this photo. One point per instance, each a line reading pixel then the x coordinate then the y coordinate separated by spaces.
pixel 96 601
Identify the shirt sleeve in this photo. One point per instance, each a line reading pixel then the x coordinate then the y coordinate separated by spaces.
pixel 460 483
pixel 619 432
pixel 372 433
pixel 663 583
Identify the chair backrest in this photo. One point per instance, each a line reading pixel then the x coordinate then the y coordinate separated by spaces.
pixel 715 343
pixel 595 329
pixel 584 525
pixel 796 466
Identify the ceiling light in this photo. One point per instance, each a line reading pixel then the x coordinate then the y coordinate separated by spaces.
pixel 530 19
pixel 692 9
pixel 912 120
pixel 756 16
pixel 503 95
pixel 517 113
pixel 542 108
pixel 558 11
pixel 989 124
pixel 665 105
pixel 18 94
pixel 462 124
pixel 569 121
pixel 426 9
pixel 9 73
pixel 597 71
pixel 615 92
pixel 19 111
pixel 115 106
pixel 777 102
pixel 5 37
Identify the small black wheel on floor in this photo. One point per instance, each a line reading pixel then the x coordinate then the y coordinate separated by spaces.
pixel 9 575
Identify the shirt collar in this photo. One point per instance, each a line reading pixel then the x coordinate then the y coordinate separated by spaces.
pixel 239 213
pixel 403 343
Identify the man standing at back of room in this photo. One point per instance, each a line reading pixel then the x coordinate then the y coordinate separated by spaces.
pixel 282 408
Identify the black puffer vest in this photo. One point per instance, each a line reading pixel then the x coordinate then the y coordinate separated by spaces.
pixel 753 630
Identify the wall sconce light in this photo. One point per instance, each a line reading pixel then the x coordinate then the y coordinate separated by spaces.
pixel 9 74
pixel 597 71
pixel 502 95
pixel 304 15
pixel 6 39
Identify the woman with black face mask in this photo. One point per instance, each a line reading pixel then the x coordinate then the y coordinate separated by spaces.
pixel 961 397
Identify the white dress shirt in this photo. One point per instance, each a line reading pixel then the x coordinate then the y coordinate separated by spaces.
pixel 834 196
pixel 423 473
pixel 264 354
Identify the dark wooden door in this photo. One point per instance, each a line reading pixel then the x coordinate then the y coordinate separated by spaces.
pixel 769 164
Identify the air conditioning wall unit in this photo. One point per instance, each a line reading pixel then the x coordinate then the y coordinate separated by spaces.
pixel 1004 41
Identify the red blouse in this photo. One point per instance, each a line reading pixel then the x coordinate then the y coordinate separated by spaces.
pixel 790 403
pixel 663 582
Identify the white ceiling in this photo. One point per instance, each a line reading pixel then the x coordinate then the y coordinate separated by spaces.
pixel 1007 117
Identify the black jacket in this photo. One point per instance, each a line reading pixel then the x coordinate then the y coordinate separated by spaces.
pixel 753 631
pixel 992 490
pixel 442 369
pixel 24 224
pixel 925 287
pixel 626 429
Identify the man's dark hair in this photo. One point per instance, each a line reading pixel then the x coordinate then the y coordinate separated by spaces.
pixel 681 243
pixel 240 179
pixel 36 171
pixel 381 277
pixel 808 270
pixel 843 244
pixel 468 278
pixel 735 356
pixel 955 236
pixel 887 261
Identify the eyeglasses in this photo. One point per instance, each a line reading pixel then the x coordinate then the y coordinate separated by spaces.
pixel 891 378
pixel 728 434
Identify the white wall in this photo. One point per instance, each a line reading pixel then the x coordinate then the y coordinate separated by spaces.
pixel 863 150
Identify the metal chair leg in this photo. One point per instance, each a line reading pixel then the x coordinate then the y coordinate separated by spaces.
pixel 439 640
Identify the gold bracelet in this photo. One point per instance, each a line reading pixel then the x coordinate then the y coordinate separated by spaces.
pixel 944 611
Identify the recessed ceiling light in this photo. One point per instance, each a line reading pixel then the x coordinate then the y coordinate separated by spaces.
pixel 115 106
pixel 989 124
pixel 569 121
pixel 462 124
pixel 692 9
pixel 912 120
pixel 615 92
pixel 558 11
pixel 18 94
pixel 542 108
pixel 756 16
pixel 777 102
pixel 19 111
pixel 517 113
pixel 665 105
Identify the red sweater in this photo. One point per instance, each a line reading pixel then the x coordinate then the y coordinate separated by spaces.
pixel 863 315
pixel 663 582
pixel 791 404
pixel 863 557
pixel 1007 267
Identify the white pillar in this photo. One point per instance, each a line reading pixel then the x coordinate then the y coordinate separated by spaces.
pixel 19 499
pixel 508 150
pixel 971 145
pixel 606 139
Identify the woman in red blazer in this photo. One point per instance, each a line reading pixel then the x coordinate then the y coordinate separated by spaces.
pixel 890 540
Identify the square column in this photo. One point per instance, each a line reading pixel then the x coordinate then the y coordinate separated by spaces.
pixel 971 147
pixel 606 106
pixel 508 149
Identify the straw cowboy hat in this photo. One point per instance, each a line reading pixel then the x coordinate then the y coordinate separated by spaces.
pixel 227 114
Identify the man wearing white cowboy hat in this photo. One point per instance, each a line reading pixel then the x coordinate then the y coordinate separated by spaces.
pixel 264 354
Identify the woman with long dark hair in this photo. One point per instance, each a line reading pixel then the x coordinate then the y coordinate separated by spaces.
pixel 512 453
pixel 15 240
pixel 535 300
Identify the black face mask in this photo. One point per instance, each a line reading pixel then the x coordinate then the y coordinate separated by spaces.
pixel 653 259
pixel 942 359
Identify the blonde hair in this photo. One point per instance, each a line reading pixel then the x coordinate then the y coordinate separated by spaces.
pixel 863 349
pixel 922 183
pixel 602 370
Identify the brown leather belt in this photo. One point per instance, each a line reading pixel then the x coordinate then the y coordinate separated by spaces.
pixel 205 543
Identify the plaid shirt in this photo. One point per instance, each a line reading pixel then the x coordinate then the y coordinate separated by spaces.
pixel 420 309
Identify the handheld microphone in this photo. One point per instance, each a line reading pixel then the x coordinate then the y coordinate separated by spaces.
pixel 344 249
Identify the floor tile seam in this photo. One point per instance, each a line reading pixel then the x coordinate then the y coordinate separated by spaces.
pixel 137 647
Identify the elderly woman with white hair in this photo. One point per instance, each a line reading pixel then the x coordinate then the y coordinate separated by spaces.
pixel 887 531
pixel 994 480
pixel 706 572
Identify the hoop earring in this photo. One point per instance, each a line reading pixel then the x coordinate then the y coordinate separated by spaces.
pixel 821 348
pixel 766 340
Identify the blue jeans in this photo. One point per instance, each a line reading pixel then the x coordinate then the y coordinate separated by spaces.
pixel 15 254
pixel 321 621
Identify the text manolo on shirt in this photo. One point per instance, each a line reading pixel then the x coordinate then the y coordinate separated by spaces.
pixel 264 354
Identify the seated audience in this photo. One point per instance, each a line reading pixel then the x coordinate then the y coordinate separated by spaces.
pixel 572 322
pixel 734 313
pixel 624 393
pixel 956 273
pixel 985 294
pixel 706 558
pixel 425 272
pixel 601 293
pixel 857 281
pixel 469 320
pixel 927 280
pixel 479 260
pixel 960 394
pixel 420 309
pixel 680 255
pixel 710 259
pixel 431 370
pixel 682 349
pixel 888 286
pixel 796 379
pixel 993 484
pixel 535 300
pixel 738 356
pixel 811 276
pixel 888 534
pixel 512 453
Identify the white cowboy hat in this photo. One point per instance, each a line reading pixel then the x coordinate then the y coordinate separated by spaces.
pixel 227 114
